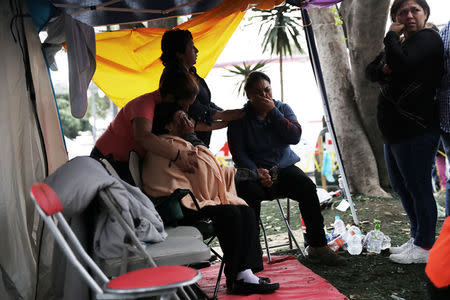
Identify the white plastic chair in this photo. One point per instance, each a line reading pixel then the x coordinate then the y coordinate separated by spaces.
pixel 162 281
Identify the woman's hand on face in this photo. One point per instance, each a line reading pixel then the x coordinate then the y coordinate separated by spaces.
pixel 183 123
pixel 187 161
pixel 398 28
pixel 264 177
pixel 263 104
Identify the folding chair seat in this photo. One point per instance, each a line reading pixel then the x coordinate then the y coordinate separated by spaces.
pixel 183 246
pixel 162 281
pixel 288 227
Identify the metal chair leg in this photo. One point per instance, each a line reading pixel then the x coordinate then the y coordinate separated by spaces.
pixel 216 289
pixel 212 250
pixel 289 228
pixel 265 240
pixel 288 216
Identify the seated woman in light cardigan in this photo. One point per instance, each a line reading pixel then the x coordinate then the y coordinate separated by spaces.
pixel 213 186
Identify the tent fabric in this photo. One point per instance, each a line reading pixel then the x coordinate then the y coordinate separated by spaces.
pixel 128 62
pixel 47 111
pixel 103 12
pixel 296 282
pixel 22 161
pixel 313 3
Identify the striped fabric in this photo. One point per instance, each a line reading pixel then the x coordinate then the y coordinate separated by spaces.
pixel 443 95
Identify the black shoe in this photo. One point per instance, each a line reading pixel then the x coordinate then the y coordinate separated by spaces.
pixel 264 279
pixel 229 283
pixel 239 287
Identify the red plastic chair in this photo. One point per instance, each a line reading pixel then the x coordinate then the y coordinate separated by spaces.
pixel 160 281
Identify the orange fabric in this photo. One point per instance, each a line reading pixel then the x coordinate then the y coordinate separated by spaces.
pixel 438 266
pixel 211 183
pixel 128 62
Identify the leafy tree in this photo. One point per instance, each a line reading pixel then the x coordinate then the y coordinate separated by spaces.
pixel 243 71
pixel 281 33
pixel 71 126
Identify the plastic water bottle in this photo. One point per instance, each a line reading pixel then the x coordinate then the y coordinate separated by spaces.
pixel 339 226
pixel 337 243
pixel 376 239
pixel 386 244
pixel 354 246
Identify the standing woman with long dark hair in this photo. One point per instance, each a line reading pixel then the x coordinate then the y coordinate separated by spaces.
pixel 410 71
pixel 178 51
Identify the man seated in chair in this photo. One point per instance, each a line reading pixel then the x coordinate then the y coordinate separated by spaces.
pixel 213 186
pixel 261 139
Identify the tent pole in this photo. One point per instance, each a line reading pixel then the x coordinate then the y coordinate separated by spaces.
pixel 315 62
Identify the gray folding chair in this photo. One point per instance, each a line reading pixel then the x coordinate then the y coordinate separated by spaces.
pixel 162 282
pixel 288 227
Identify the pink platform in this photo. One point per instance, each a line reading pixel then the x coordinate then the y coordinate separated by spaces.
pixel 296 282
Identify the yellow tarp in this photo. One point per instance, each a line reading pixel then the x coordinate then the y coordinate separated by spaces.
pixel 128 62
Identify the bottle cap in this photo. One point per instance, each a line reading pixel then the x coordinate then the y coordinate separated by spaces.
pixel 337 217
pixel 377 224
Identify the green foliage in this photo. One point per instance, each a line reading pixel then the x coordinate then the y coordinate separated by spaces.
pixel 282 30
pixel 243 71
pixel 71 126
pixel 337 17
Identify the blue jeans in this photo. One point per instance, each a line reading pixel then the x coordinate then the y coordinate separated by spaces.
pixel 445 138
pixel 409 167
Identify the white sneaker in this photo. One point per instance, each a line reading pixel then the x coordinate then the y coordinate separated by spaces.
pixel 412 255
pixel 402 248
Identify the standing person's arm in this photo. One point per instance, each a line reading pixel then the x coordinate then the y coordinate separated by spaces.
pixel 424 45
pixel 208 113
pixel 143 135
pixel 378 70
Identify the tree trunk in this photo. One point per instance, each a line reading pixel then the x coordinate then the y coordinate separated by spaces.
pixel 365 23
pixel 357 155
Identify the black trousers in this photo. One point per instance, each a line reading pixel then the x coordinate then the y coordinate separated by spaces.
pixel 238 237
pixel 291 183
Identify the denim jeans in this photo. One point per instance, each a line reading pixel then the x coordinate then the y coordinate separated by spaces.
pixel 409 167
pixel 445 138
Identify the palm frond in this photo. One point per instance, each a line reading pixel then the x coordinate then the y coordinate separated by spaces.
pixel 281 35
pixel 243 71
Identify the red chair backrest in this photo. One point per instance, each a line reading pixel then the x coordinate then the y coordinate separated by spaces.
pixel 46 198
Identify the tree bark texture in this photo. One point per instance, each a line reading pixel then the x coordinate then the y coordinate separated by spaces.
pixel 365 23
pixel 357 155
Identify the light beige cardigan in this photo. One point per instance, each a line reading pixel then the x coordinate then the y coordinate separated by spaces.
pixel 211 183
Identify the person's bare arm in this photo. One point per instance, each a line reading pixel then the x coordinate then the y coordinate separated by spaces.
pixel 229 115
pixel 214 125
pixel 143 135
